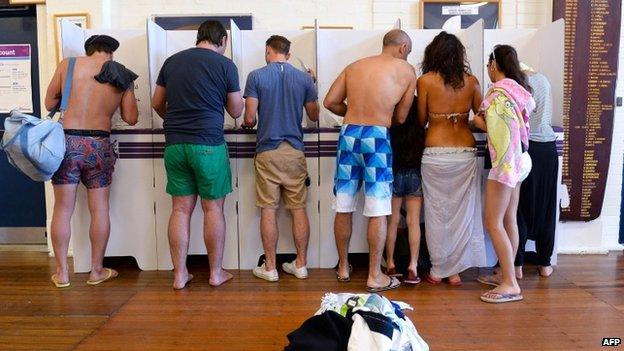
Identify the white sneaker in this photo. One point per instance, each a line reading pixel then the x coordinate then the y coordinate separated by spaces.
pixel 262 273
pixel 291 268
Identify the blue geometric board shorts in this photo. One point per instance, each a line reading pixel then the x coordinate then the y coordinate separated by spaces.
pixel 364 155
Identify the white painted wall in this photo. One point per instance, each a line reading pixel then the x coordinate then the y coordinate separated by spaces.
pixel 596 236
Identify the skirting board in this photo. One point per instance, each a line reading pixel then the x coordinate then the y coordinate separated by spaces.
pixel 584 252
pixel 25 235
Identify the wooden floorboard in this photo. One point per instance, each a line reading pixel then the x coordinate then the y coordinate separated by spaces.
pixel 573 310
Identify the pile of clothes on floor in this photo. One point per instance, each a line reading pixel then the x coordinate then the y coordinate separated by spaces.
pixel 359 322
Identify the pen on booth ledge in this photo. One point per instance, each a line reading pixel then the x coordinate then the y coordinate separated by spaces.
pixel 305 67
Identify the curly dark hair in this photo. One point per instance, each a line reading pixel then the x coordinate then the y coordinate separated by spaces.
pixel 446 55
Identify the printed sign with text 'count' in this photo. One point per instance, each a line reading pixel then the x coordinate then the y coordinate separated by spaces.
pixel 15 78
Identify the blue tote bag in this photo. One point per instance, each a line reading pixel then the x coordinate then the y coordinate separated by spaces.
pixel 36 146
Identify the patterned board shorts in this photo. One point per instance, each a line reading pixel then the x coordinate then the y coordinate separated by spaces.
pixel 364 155
pixel 87 159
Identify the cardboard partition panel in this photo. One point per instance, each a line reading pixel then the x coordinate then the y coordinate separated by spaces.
pixel 133 54
pixel 72 39
pixel 250 244
pixel 175 41
pixel 237 51
pixel 472 38
pixel 250 241
pixel 302 53
pixel 420 39
pixel 131 194
pixel 327 167
pixel 140 208
pixel 551 50
pixel 157 54
pixel 521 39
pixel 163 206
pixel 337 48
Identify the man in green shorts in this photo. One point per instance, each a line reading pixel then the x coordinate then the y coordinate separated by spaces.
pixel 192 90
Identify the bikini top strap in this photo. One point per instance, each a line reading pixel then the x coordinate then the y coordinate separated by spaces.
pixel 450 116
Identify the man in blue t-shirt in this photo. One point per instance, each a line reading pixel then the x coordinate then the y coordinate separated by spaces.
pixel 193 89
pixel 278 93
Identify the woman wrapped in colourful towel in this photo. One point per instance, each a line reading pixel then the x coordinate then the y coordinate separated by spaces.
pixel 505 116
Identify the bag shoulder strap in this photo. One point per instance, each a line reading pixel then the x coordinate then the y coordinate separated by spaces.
pixel 68 84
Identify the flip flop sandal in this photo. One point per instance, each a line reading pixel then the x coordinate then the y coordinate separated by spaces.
pixel 110 276
pixel 433 281
pixel 492 297
pixel 394 283
pixel 393 273
pixel 57 283
pixel 412 279
pixel 488 280
pixel 344 279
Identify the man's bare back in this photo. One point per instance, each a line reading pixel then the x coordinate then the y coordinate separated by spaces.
pixel 379 89
pixel 91 104
pixel 375 86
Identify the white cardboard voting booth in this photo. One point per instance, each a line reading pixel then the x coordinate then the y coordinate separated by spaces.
pixel 131 197
pixel 140 208
pixel 303 47
pixel 340 48
pixel 162 44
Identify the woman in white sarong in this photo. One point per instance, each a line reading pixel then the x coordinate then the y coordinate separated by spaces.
pixel 447 91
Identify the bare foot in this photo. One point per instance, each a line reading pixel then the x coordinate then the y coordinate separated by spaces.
pixel 455 280
pixel 217 279
pixel 390 266
pixel 545 271
pixel 102 274
pixel 506 290
pixel 432 279
pixel 519 274
pixel 493 279
pixel 182 281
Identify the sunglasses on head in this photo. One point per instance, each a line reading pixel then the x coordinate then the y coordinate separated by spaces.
pixel 493 54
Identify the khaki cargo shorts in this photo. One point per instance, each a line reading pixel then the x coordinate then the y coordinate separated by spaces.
pixel 281 173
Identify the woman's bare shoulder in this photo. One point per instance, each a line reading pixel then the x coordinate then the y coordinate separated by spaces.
pixel 427 79
pixel 471 79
